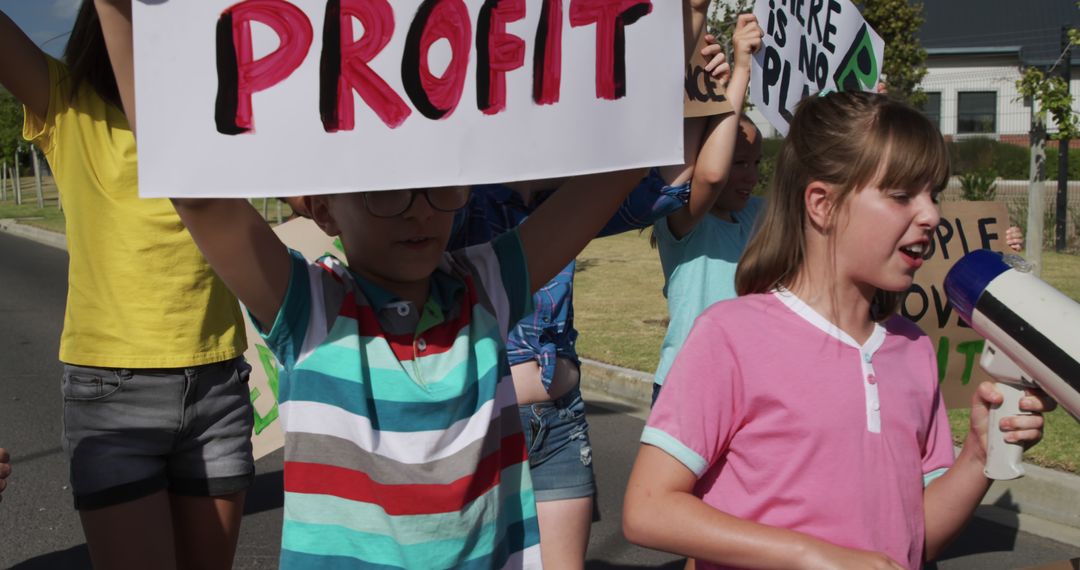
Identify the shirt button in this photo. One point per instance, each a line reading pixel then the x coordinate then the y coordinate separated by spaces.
pixel 403 310
pixel 421 345
pixel 866 357
pixel 877 406
pixel 871 379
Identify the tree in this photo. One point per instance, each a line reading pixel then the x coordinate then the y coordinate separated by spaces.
pixel 722 16
pixel 898 22
pixel 10 126
pixel 1050 93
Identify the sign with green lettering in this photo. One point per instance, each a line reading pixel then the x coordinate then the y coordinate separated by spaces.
pixel 965 226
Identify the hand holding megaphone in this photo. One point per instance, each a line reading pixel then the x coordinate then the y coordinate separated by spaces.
pixel 1033 340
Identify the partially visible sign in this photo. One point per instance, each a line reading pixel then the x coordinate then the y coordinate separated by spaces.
pixel 811 47
pixel 965 227
pixel 304 236
pixel 704 95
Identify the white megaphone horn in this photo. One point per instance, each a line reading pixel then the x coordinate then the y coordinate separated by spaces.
pixel 1032 336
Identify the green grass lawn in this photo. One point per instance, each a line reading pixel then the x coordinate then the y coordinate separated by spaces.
pixel 50 217
pixel 621 316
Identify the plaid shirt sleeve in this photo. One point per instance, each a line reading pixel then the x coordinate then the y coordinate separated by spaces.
pixel 650 201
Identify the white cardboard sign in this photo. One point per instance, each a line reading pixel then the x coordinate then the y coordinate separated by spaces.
pixel 278 98
pixel 811 47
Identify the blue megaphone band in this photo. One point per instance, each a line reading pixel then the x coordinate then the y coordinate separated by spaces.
pixel 969 277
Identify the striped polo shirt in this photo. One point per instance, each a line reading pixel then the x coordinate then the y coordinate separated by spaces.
pixel 403 446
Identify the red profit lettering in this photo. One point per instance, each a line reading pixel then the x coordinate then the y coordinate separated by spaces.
pixel 344 65
pixel 240 75
pixel 611 18
pixel 437 97
pixel 497 52
pixel 547 56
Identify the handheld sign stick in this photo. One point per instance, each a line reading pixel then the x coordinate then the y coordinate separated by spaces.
pixel 1032 336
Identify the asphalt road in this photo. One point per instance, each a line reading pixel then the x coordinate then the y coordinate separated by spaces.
pixel 39 528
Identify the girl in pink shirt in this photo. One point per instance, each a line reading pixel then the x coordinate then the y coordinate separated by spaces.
pixel 801 424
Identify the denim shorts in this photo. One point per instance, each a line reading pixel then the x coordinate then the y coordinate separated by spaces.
pixel 560 456
pixel 131 433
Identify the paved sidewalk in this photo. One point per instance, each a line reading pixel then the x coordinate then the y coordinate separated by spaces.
pixel 1044 502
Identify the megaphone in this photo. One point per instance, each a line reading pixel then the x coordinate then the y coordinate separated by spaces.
pixel 1032 334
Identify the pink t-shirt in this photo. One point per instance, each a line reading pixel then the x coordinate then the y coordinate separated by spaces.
pixel 787 421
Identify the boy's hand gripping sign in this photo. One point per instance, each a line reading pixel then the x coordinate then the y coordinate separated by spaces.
pixel 811 47
pixel 285 97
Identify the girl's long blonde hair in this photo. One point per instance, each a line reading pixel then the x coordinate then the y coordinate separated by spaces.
pixel 849 140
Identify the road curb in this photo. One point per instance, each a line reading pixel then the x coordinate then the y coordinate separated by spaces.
pixel 53 239
pixel 1037 503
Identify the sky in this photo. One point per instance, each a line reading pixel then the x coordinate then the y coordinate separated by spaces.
pixel 47 22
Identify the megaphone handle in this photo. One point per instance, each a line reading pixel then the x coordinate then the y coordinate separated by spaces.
pixel 1004 459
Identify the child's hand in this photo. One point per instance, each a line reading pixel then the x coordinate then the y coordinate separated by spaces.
pixel 1026 430
pixel 745 41
pixel 832 557
pixel 299 205
pixel 717 65
pixel 1014 238
pixel 5 470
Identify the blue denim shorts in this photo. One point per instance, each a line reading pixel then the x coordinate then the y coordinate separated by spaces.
pixel 560 455
pixel 131 433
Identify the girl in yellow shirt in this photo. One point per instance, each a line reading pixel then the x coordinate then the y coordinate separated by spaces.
pixel 157 413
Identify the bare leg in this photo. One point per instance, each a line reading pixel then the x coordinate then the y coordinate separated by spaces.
pixel 564 532
pixel 136 534
pixel 206 530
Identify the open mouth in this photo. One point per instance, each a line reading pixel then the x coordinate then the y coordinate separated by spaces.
pixel 915 253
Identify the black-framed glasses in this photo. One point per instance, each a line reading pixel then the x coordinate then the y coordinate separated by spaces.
pixel 393 203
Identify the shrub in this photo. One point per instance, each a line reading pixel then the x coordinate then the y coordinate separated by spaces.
pixel 1010 161
pixel 978 185
pixel 1052 162
pixel 980 154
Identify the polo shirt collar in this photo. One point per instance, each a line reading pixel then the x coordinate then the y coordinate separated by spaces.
pixel 443 294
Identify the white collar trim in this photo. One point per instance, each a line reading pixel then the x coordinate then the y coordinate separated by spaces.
pixel 793 302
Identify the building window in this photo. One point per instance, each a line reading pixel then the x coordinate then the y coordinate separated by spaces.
pixel 932 107
pixel 976 112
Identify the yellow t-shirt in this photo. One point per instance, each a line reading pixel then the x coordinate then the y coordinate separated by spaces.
pixel 140 294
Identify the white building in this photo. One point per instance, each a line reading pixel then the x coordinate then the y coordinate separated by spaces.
pixel 976 50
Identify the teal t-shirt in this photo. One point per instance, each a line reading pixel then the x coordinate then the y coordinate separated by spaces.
pixel 699 270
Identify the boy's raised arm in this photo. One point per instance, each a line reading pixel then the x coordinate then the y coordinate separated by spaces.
pixel 242 249
pixel 236 241
pixel 23 68
pixel 564 225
